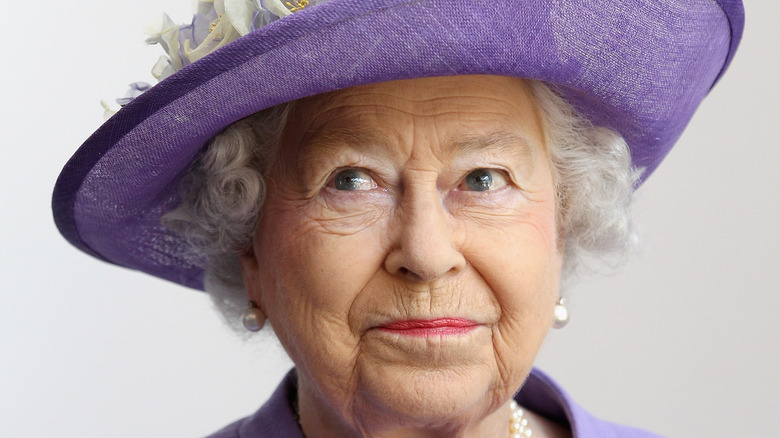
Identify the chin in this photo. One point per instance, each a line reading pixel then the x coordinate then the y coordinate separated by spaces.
pixel 426 397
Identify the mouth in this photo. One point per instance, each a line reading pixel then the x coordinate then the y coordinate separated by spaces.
pixel 430 327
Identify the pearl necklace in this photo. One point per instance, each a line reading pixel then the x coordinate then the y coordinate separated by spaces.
pixel 518 425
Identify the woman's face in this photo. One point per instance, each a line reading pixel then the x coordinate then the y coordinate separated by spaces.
pixel 407 254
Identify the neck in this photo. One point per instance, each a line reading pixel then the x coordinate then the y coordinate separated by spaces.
pixel 370 421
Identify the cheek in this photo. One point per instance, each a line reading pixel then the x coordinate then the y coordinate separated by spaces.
pixel 521 262
pixel 311 275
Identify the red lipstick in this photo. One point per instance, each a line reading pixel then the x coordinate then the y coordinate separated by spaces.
pixel 430 327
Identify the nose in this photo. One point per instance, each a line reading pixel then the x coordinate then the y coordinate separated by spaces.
pixel 425 246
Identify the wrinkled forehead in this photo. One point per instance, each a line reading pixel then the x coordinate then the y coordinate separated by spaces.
pixel 459 114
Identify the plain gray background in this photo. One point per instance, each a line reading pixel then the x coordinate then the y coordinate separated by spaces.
pixel 683 341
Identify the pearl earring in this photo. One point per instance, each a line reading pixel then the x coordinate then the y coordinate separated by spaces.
pixel 253 318
pixel 560 314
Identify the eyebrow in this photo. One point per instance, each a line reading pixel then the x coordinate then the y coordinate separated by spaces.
pixel 355 138
pixel 496 142
pixel 499 141
pixel 321 144
pixel 364 141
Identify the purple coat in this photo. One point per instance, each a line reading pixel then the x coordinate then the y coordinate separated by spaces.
pixel 539 394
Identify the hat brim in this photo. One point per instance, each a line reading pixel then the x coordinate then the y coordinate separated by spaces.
pixel 637 67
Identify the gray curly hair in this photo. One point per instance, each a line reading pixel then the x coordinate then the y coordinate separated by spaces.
pixel 224 190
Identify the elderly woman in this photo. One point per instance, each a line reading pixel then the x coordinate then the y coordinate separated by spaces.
pixel 398 188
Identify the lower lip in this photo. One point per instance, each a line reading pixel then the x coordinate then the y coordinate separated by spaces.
pixel 431 327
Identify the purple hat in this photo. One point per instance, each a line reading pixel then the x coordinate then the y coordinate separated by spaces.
pixel 638 67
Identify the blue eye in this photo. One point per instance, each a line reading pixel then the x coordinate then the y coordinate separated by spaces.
pixel 352 180
pixel 482 180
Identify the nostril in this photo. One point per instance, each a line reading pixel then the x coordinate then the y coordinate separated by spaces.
pixel 409 274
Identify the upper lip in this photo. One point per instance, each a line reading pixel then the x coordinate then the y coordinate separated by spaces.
pixel 409 324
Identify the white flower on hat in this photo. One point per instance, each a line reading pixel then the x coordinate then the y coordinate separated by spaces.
pixel 165 33
pixel 239 12
pixel 215 23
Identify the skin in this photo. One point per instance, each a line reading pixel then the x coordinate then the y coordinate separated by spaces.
pixel 410 238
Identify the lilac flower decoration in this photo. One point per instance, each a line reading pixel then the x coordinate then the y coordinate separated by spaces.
pixel 136 89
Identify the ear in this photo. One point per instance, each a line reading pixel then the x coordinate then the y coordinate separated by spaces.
pixel 249 273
